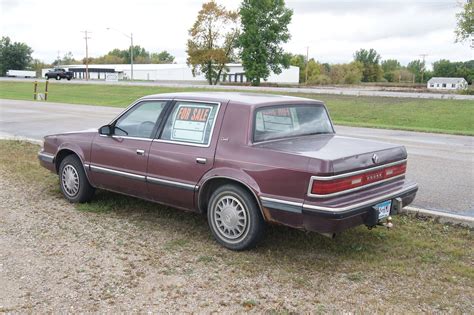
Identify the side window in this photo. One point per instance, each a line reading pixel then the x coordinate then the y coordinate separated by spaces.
pixel 140 120
pixel 190 123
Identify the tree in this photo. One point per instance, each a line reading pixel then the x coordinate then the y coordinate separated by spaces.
pixel 370 60
pixel 162 57
pixel 67 59
pixel 38 65
pixel 444 68
pixel 265 28
pixel 465 25
pixel 389 67
pixel 212 42
pixel 14 56
pixel 417 68
pixel 300 62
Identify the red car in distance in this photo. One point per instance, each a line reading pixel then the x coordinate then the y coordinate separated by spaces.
pixel 244 160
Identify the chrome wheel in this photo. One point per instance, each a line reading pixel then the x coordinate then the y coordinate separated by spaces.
pixel 70 180
pixel 230 217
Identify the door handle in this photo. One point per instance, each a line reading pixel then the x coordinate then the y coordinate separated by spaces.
pixel 201 160
pixel 140 152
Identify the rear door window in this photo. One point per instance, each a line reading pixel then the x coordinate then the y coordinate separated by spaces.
pixel 190 122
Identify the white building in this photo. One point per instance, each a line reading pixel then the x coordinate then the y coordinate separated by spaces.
pixel 173 72
pixel 439 83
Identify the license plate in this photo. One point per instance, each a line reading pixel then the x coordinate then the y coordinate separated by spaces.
pixel 384 208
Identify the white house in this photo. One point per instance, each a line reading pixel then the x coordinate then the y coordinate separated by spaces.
pixel 438 83
pixel 173 72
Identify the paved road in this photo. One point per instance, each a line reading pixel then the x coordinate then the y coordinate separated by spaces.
pixel 309 90
pixel 443 165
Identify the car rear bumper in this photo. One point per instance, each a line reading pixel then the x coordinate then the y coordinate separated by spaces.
pixel 339 215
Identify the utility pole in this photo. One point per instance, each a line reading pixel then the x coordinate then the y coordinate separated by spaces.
pixel 423 68
pixel 131 47
pixel 131 54
pixel 306 70
pixel 87 53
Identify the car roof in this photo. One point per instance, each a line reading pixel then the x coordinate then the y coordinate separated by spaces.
pixel 251 99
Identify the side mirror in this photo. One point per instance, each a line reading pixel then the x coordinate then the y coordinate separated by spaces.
pixel 105 130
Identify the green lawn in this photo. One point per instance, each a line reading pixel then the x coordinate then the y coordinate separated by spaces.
pixel 443 116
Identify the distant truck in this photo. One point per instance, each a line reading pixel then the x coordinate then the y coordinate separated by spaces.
pixel 59 73
pixel 21 73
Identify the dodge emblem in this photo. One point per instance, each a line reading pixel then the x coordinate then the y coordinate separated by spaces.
pixel 375 158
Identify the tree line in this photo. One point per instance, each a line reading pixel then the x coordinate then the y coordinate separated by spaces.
pixel 367 66
pixel 253 35
pixel 17 56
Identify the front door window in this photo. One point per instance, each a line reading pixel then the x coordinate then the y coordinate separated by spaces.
pixel 140 121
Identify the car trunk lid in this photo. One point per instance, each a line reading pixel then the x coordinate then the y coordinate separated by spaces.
pixel 342 154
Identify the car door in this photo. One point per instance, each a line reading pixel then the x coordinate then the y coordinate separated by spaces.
pixel 183 152
pixel 119 160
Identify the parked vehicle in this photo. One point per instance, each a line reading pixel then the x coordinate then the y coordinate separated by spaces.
pixel 21 73
pixel 59 73
pixel 244 160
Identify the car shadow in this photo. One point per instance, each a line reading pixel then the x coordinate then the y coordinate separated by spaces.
pixel 279 240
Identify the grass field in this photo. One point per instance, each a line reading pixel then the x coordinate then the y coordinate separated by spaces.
pixel 442 116
pixel 419 266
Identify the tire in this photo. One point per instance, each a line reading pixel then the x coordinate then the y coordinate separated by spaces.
pixel 47 77
pixel 69 78
pixel 73 180
pixel 234 218
pixel 58 77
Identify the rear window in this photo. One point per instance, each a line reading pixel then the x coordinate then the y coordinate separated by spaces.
pixel 278 122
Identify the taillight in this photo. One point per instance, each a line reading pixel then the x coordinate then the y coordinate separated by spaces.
pixel 325 187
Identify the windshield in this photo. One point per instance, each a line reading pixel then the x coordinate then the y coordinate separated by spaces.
pixel 277 122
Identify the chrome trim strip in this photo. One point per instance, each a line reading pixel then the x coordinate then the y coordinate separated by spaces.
pixel 327 178
pixel 354 189
pixel 127 137
pixel 46 157
pixel 286 202
pixel 86 165
pixel 361 204
pixel 322 178
pixel 171 183
pixel 184 143
pixel 283 205
pixel 105 170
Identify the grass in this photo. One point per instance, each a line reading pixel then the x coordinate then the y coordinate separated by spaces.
pixel 441 116
pixel 419 262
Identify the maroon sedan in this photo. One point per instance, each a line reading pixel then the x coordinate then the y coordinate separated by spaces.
pixel 242 159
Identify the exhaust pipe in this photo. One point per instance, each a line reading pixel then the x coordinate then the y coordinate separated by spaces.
pixel 329 235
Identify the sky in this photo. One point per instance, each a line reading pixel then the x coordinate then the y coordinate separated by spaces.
pixel 332 30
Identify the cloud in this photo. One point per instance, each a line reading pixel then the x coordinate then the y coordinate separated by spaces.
pixel 332 29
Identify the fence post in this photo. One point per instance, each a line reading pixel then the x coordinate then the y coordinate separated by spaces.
pixel 46 91
pixel 35 90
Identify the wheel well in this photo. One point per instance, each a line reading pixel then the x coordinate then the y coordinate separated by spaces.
pixel 60 157
pixel 212 184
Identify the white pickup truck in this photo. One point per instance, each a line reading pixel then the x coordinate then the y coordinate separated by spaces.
pixel 21 73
